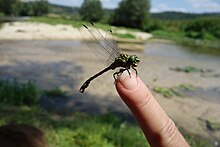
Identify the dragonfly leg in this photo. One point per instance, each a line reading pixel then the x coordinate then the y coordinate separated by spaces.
pixel 114 75
pixel 119 73
pixel 135 71
pixel 128 72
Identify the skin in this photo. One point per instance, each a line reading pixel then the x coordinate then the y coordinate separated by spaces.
pixel 159 129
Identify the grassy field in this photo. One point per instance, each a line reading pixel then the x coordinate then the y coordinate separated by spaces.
pixel 76 129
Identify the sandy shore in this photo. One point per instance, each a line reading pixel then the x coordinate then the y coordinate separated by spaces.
pixel 43 31
pixel 66 64
pixel 37 31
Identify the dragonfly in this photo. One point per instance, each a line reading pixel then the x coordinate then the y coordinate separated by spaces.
pixel 108 47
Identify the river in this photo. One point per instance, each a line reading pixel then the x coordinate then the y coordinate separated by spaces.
pixel 29 59
pixel 67 64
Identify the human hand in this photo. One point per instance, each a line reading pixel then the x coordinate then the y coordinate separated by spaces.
pixel 158 128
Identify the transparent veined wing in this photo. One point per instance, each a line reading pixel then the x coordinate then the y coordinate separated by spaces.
pixel 105 48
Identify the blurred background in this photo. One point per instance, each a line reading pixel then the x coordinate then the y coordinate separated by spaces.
pixel 44 61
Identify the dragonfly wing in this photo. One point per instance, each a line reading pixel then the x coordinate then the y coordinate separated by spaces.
pixel 103 48
pixel 115 51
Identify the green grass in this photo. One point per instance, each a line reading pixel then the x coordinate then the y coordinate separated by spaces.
pixel 127 35
pixel 76 129
pixel 17 93
pixel 2 14
pixel 79 129
pixel 56 92
pixel 169 92
pixel 187 69
pixel 213 125
pixel 168 34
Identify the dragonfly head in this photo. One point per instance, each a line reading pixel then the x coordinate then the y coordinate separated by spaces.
pixel 134 60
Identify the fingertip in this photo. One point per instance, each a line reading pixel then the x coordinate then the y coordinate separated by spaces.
pixel 127 80
pixel 132 90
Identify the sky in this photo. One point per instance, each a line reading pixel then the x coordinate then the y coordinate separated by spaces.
pixel 192 6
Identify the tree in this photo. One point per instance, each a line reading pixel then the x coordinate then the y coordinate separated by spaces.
pixel 18 7
pixel 91 10
pixel 8 7
pixel 131 13
pixel 39 8
pixel 24 9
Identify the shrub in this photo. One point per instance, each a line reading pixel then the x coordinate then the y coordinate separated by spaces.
pixel 203 27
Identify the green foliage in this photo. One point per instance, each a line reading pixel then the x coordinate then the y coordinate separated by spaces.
pixel 91 10
pixel 32 8
pixel 77 129
pixel 167 34
pixel 131 13
pixel 82 130
pixel 35 8
pixel 203 28
pixel 15 93
pixel 127 35
pixel 9 7
pixel 187 69
pixel 25 9
pixel 120 135
pixel 64 10
pixel 195 141
pixel 166 92
pixel 56 92
pixel 213 125
pixel 174 91
pixel 182 16
pixel 152 25
pixel 173 15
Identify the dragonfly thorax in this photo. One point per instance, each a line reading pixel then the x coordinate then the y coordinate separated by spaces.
pixel 127 60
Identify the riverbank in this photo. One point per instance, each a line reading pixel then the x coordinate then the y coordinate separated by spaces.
pixel 206 46
pixel 38 31
pixel 45 31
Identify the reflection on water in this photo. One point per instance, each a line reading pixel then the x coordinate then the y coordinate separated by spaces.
pixel 175 51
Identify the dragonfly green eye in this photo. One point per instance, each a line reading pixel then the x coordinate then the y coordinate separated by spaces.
pixel 134 60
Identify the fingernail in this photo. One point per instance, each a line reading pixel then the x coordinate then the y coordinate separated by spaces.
pixel 129 82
